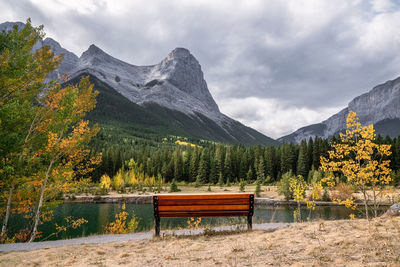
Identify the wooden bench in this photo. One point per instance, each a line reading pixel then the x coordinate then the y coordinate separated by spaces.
pixel 202 205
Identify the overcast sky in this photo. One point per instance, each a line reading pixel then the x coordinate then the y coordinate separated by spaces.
pixel 273 65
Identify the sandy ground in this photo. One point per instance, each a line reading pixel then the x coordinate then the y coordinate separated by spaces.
pixel 323 243
pixel 266 191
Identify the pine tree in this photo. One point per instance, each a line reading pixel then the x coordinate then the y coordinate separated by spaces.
pixel 302 164
pixel 194 164
pixel 269 157
pixel 228 165
pixel 203 171
pixel 260 169
pixel 243 166
pixel 310 149
pixel 287 158
pixel 249 175
pixel 178 165
pixel 316 153
pixel 213 171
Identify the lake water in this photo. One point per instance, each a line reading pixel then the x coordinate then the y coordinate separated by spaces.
pixel 99 215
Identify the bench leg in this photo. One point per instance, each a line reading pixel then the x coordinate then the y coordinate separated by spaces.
pixel 157 228
pixel 249 222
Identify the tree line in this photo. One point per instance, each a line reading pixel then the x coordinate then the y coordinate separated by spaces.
pixel 218 163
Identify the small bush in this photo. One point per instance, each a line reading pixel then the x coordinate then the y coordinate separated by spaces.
pixel 174 187
pixel 105 181
pixel 121 225
pixel 257 192
pixel 316 194
pixel 209 188
pixel 242 186
pixel 100 191
pixel 118 181
pixel 197 182
pixel 283 186
pixel 325 195
pixel 342 191
pixel 267 180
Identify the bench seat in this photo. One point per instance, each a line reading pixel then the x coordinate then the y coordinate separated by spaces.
pixel 202 205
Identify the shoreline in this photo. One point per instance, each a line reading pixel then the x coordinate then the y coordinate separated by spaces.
pixel 148 199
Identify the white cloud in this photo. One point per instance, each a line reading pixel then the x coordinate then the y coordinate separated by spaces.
pixel 312 54
pixel 382 5
pixel 271 116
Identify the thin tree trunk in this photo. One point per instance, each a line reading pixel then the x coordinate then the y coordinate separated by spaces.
pixel 7 215
pixel 5 221
pixel 375 204
pixel 37 216
pixel 298 206
pixel 365 204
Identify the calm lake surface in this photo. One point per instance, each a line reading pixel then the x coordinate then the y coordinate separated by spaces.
pixel 99 215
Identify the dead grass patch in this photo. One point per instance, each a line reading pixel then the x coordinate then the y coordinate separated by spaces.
pixel 322 243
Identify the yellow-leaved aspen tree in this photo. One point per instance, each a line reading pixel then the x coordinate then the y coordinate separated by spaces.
pixel 67 138
pixel 363 162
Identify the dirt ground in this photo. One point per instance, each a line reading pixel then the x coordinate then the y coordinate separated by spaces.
pixel 322 243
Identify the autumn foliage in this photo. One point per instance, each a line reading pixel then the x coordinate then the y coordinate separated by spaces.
pixel 362 161
pixel 43 135
pixel 121 225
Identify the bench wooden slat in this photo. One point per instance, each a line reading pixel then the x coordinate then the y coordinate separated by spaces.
pixel 203 202
pixel 202 214
pixel 204 208
pixel 205 196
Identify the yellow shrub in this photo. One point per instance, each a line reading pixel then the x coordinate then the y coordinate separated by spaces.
pixel 120 225
pixel 105 181
pixel 118 181
pixel 132 178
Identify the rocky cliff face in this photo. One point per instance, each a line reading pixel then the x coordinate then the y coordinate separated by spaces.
pixel 380 106
pixel 177 82
pixel 70 59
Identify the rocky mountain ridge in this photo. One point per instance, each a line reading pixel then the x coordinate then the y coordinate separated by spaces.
pixel 380 106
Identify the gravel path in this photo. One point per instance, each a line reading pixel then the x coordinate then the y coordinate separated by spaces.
pixel 98 239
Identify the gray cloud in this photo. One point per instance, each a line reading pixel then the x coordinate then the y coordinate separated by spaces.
pixel 310 56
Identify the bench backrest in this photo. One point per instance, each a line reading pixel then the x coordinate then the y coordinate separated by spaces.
pixel 203 205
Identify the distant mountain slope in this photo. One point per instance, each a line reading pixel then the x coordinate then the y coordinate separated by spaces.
pixel 170 97
pixel 114 110
pixel 380 106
